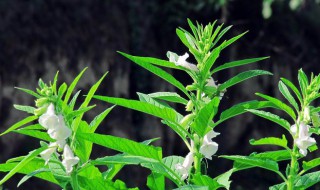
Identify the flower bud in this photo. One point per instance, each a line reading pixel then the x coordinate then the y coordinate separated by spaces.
pixel 189 106
pixel 191 87
pixel 306 114
pixel 41 110
pixel 41 102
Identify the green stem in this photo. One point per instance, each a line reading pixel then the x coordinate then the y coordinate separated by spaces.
pixel 74 181
pixel 292 172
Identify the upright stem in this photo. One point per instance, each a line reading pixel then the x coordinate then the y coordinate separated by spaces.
pixel 292 172
pixel 197 156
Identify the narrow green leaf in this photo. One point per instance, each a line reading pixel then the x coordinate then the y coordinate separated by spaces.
pixel 192 187
pixel 271 141
pixel 155 181
pixel 232 40
pixel 185 41
pixel 169 96
pixel 255 162
pixel 308 180
pixel 238 63
pixel 293 88
pixel 157 71
pixel 29 92
pixel 240 109
pixel 224 179
pixel 211 60
pixel 272 117
pixel 146 98
pixel 163 113
pixel 23 162
pixel 241 77
pixel 278 155
pixel 19 124
pixel 72 86
pixel 303 82
pixel 80 111
pixel 280 105
pixel 286 93
pixel 28 176
pixel 98 119
pixel 28 109
pixel 62 89
pixel 221 34
pixel 35 133
pixel 311 164
pixel 206 114
pixel 123 145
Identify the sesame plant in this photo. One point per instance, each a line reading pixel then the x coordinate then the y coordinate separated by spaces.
pixel 201 99
pixel 303 121
pixel 62 157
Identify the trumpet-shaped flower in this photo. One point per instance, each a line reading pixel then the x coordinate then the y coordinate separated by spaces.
pixel 211 83
pixel 181 61
pixel 69 160
pixel 304 139
pixel 60 132
pixel 184 168
pixel 208 147
pixel 46 154
pixel 49 119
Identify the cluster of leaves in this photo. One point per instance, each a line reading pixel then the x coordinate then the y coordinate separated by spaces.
pixel 300 111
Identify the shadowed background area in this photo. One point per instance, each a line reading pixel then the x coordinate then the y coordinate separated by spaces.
pixel 37 38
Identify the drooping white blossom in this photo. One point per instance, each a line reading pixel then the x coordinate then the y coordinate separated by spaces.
pixel 46 154
pixel 211 83
pixel 184 168
pixel 60 132
pixel 303 140
pixel 208 147
pixel 69 160
pixel 181 61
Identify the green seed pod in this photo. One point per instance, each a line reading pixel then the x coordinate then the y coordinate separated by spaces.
pixel 186 120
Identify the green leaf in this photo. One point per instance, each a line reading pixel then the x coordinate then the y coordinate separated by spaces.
pixel 206 114
pixel 311 164
pixel 211 60
pixel 278 155
pixel 62 89
pixel 28 109
pixel 192 187
pixel 33 165
pixel 163 113
pixel 238 63
pixel 281 186
pixel 176 127
pixel 87 100
pixel 272 117
pixel 35 133
pixel 123 159
pixel 285 92
pixel 29 92
pixel 255 162
pixel 241 77
pixel 232 40
pixel 157 71
pixel 32 174
pixel 146 98
pixel 271 141
pixel 79 112
pixel 221 34
pixel 72 86
pixel 169 96
pixel 19 124
pixel 73 100
pixel 293 88
pixel 155 181
pixel 123 145
pixel 98 119
pixel 308 180
pixel 224 179
pixel 23 162
pixel 181 34
pixel 280 105
pixel 96 183
pixel 204 180
pixel 240 109
pixel 303 82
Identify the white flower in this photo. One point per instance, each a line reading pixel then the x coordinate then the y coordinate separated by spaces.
pixel 184 168
pixel 69 160
pixel 49 119
pixel 211 83
pixel 46 154
pixel 181 61
pixel 304 139
pixel 60 132
pixel 208 147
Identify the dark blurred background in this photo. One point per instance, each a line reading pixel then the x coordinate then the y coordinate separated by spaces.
pixel 37 38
